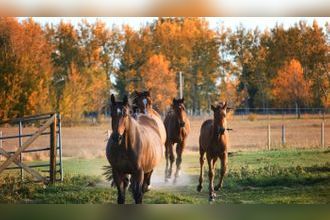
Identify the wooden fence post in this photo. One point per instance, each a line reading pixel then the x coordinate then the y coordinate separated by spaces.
pixel 322 135
pixel 268 137
pixel 0 142
pixel 53 150
pixel 20 142
pixel 283 134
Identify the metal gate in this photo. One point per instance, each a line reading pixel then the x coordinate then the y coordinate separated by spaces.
pixel 49 124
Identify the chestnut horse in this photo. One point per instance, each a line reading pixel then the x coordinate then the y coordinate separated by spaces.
pixel 177 128
pixel 142 103
pixel 213 141
pixel 134 148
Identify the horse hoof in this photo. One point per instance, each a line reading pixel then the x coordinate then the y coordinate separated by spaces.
pixel 199 188
pixel 212 197
pixel 178 173
pixel 146 188
pixel 217 187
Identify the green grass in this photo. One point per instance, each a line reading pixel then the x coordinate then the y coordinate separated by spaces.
pixel 264 177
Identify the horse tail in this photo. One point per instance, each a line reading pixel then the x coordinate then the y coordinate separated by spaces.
pixel 108 174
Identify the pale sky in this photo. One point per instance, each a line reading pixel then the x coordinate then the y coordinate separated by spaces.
pixel 214 22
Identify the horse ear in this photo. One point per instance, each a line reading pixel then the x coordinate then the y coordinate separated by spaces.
pixel 113 100
pixel 125 100
pixel 224 105
pixel 213 107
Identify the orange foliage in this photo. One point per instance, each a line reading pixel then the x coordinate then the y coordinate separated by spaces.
pixel 290 85
pixel 160 79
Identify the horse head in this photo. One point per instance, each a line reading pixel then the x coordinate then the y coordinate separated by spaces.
pixel 141 101
pixel 220 112
pixel 119 115
pixel 179 109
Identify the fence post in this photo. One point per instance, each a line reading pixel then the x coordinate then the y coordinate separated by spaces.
pixel 52 170
pixel 283 134
pixel 60 144
pixel 322 134
pixel 268 137
pixel 20 132
pixel 0 142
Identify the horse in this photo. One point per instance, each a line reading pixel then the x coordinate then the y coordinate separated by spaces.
pixel 134 148
pixel 177 128
pixel 213 141
pixel 142 104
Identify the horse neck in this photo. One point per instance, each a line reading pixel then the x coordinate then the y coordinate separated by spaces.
pixel 219 122
pixel 130 128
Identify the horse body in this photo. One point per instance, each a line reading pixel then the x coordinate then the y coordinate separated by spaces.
pixel 141 147
pixel 177 128
pixel 135 148
pixel 213 141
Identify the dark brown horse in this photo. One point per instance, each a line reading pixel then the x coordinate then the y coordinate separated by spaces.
pixel 134 148
pixel 213 141
pixel 177 128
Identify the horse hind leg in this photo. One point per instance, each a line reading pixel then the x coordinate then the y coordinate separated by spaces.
pixel 146 182
pixel 201 161
pixel 223 171
pixel 137 182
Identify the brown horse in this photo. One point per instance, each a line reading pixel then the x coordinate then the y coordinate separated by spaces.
pixel 177 128
pixel 213 141
pixel 142 103
pixel 134 148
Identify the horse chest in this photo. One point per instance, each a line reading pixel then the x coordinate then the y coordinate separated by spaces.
pixel 215 148
pixel 121 161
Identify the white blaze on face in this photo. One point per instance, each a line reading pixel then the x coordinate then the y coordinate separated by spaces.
pixel 145 101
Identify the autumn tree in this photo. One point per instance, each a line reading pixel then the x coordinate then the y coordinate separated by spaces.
pixel 160 80
pixel 72 103
pixel 25 68
pixel 290 87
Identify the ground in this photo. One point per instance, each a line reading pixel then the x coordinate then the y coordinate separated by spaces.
pixel 259 177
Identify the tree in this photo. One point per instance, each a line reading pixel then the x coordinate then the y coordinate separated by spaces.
pixel 74 96
pixel 160 79
pixel 290 86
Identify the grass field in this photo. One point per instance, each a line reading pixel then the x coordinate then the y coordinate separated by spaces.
pixel 259 177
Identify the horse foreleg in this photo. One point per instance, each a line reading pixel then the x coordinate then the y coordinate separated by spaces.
pixel 119 181
pixel 167 157
pixel 224 162
pixel 171 158
pixel 138 179
pixel 146 182
pixel 201 161
pixel 212 194
pixel 179 150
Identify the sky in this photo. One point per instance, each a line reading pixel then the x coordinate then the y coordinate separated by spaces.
pixel 214 22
